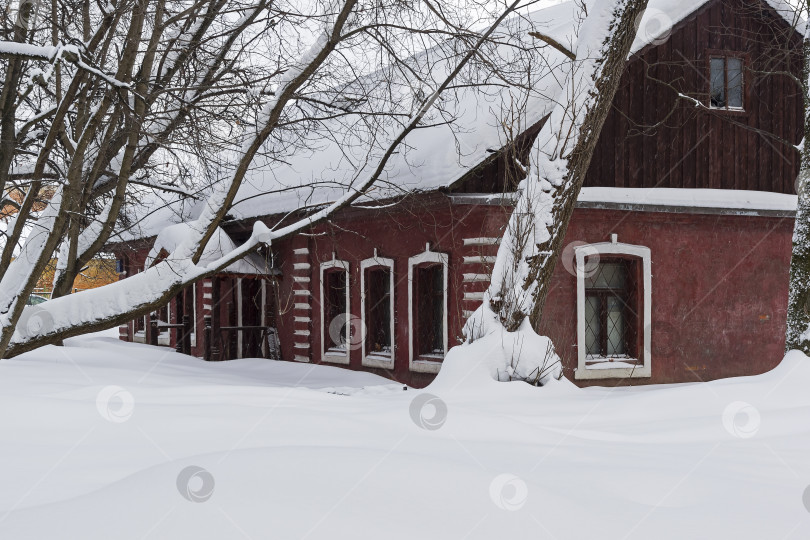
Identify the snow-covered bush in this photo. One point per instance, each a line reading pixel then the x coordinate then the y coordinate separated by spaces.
pixel 522 355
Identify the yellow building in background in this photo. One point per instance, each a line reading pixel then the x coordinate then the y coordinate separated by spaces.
pixel 98 272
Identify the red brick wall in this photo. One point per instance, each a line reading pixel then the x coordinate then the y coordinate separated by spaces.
pixel 719 291
pixel 719 283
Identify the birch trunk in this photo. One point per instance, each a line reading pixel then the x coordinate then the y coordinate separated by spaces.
pixel 559 160
pixel 798 311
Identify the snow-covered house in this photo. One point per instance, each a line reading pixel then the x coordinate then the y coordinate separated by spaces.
pixel 677 257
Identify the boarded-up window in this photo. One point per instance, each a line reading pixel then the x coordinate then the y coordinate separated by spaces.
pixel 335 309
pixel 611 311
pixel 430 309
pixel 726 82
pixel 378 311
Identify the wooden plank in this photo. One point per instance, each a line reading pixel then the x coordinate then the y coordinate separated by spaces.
pixel 649 148
pixel 677 130
pixel 703 134
pixel 636 114
pixel 691 84
pixel 619 131
pixel 663 135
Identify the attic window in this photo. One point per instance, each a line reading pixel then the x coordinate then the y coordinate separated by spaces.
pixel 726 82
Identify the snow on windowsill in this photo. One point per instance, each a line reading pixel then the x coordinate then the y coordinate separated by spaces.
pixel 430 357
pixel 336 356
pixel 378 360
pixel 610 363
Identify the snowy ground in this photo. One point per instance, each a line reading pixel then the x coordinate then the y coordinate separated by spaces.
pixel 98 439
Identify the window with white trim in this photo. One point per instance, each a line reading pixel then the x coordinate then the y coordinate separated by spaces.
pixel 377 297
pixel 613 311
pixel 335 314
pixel 192 315
pixel 427 305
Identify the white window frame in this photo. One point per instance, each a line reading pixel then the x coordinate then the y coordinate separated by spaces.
pixel 327 356
pixel 415 362
pixel 193 314
pixel 372 359
pixel 613 248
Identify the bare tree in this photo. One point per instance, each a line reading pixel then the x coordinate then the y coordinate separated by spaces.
pixel 559 160
pixel 150 75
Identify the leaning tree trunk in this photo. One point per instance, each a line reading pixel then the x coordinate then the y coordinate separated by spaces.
pixel 798 311
pixel 559 160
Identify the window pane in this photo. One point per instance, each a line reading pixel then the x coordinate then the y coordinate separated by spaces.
pixel 430 318
pixel 378 311
pixel 336 308
pixel 607 276
pixel 592 325
pixel 735 83
pixel 615 327
pixel 718 87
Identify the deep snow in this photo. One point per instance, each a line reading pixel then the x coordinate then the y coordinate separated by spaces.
pixel 96 437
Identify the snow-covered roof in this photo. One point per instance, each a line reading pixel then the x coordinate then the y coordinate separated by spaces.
pixel 435 157
pixel 733 200
pixel 662 15
pixel 220 245
pixel 430 157
pixel 438 156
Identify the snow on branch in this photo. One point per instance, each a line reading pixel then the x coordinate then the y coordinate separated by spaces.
pixel 54 53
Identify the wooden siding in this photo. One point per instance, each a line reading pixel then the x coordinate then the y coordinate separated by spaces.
pixel 653 138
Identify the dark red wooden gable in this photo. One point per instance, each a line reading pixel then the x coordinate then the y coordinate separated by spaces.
pixel 653 138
